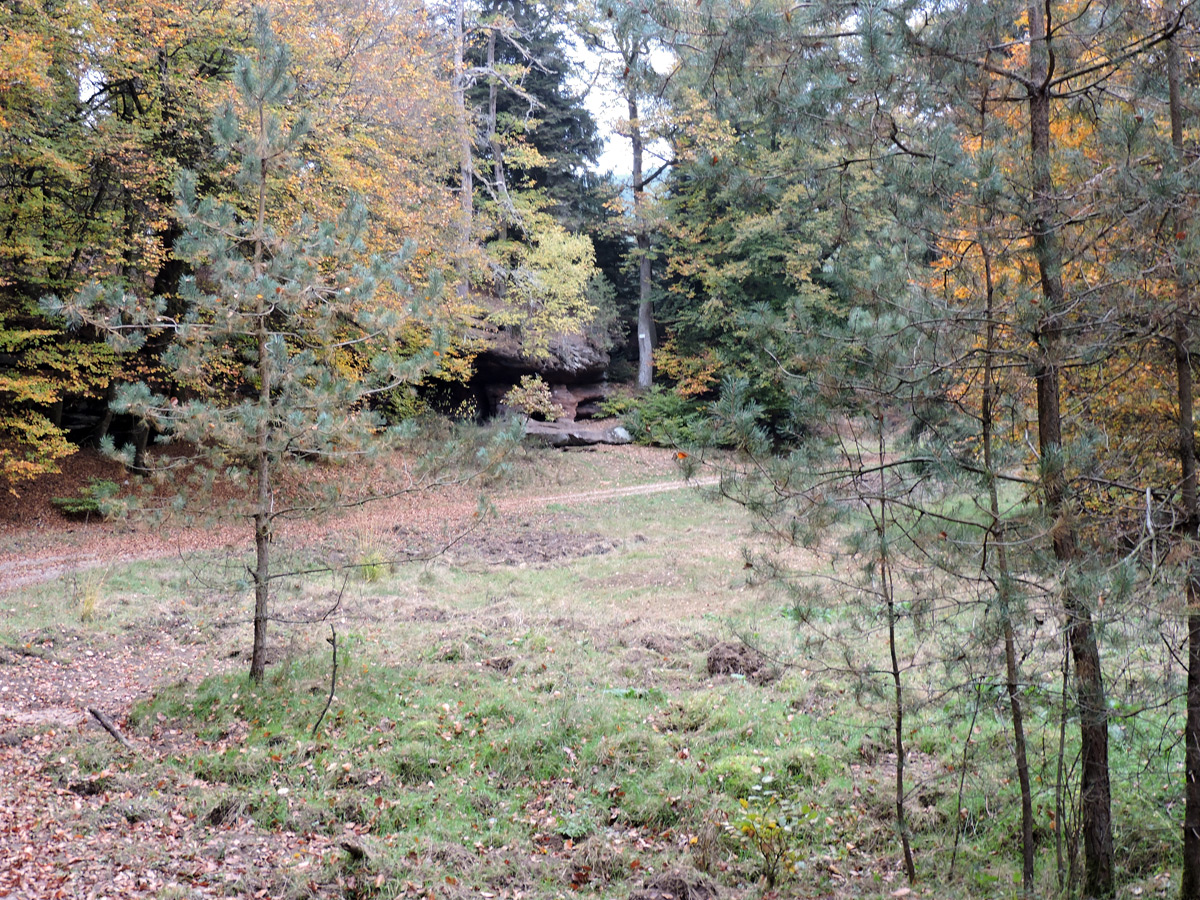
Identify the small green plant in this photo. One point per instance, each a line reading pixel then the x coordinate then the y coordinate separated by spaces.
pixel 532 397
pixel 86 592
pixel 97 498
pixel 770 825
pixel 371 560
pixel 373 565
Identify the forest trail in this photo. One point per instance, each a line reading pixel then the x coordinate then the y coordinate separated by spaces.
pixel 52 547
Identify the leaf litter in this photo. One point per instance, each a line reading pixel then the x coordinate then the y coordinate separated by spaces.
pixel 123 827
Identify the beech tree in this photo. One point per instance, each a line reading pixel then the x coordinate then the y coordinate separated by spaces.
pixel 625 36
pixel 97 108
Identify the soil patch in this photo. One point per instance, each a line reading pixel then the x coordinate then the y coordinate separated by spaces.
pixel 677 886
pixel 729 658
pixel 529 546
pixel 38 543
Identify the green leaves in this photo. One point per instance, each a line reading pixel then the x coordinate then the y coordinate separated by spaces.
pixel 772 825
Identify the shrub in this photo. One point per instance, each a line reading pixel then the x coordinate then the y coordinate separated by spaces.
pixel 97 498
pixel 532 397
pixel 770 825
pixel 661 418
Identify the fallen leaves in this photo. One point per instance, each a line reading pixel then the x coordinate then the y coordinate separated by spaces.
pixel 118 831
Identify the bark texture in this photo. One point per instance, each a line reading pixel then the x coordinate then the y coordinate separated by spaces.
pixel 1095 789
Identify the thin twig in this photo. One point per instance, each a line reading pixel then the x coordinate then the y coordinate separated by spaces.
pixel 332 679
pixel 962 777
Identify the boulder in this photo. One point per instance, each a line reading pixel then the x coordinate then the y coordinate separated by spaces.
pixel 565 433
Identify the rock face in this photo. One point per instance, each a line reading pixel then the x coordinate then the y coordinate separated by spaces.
pixel 573 360
pixel 574 372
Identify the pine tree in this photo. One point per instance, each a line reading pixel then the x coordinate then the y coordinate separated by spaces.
pixel 970 118
pixel 284 334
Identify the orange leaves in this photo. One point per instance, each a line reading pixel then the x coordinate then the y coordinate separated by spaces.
pixel 24 62
pixel 380 115
pixel 694 375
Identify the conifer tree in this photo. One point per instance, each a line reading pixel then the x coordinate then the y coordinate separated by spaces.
pixel 284 334
pixel 970 117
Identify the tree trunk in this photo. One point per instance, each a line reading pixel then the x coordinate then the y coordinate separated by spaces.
pixel 1095 792
pixel 141 438
pixel 889 597
pixel 263 512
pixel 1190 880
pixel 466 163
pixel 262 585
pixel 493 143
pixel 646 337
pixel 1011 664
pixel 105 422
pixel 263 503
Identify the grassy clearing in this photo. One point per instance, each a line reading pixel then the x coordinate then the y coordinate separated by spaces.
pixel 530 714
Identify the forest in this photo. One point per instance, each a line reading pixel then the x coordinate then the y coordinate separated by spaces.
pixel 907 286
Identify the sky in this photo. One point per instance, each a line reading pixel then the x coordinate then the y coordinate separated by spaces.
pixel 608 108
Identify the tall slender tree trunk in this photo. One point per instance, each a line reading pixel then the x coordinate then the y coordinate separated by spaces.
pixel 646 337
pixel 263 498
pixel 506 206
pixel 887 586
pixel 466 161
pixel 1185 394
pixel 1095 791
pixel 1190 881
pixel 1011 664
pixel 262 572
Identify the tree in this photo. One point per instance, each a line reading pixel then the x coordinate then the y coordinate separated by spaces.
pixel 99 109
pixel 991 139
pixel 382 121
pixel 522 138
pixel 625 35
pixel 287 328
pixel 102 108
pixel 536 126
pixel 1060 66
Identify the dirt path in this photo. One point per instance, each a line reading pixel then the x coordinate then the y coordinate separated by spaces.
pixel 51 547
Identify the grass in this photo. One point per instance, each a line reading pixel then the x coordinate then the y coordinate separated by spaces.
pixel 455 753
pixel 531 713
